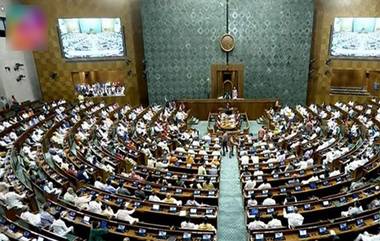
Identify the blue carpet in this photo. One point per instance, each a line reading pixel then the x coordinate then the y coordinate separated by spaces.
pixel 201 127
pixel 231 218
pixel 254 127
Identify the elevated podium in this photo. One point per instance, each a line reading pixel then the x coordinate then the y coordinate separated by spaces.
pixel 200 108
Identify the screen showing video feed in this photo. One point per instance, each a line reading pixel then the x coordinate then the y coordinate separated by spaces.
pixel 91 38
pixel 355 38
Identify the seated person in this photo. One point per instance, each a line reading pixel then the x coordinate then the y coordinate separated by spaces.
pixel 265 185
pixel 208 185
pixel 368 237
pixel 96 232
pixel 250 184
pixel 289 198
pixel 257 224
pixel 269 201
pixel 252 201
pixel 206 226
pixel 31 218
pixel 46 218
pixel 122 190
pixel 125 214
pixel 356 209
pixel 294 219
pixel 169 199
pixel 187 224
pixel 59 226
pixel 274 222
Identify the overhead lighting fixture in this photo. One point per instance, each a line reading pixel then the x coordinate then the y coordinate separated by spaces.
pixel 2 8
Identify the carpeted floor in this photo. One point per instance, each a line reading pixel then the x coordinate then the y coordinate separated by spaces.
pixel 231 217
pixel 254 127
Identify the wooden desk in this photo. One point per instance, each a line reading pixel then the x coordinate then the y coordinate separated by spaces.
pixel 200 108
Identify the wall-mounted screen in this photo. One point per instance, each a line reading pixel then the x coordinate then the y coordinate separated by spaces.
pixel 91 38
pixel 355 38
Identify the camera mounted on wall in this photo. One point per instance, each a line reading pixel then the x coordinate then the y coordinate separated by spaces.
pixel 20 77
pixel 17 66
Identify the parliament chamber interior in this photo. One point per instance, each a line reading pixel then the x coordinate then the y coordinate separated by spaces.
pixel 192 120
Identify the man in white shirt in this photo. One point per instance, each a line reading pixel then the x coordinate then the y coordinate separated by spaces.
pixel 33 219
pixel 59 227
pixel 202 170
pixel 274 222
pixel 257 224
pixel 265 185
pixel 13 200
pixel 250 184
pixel 94 206
pixel 244 160
pixel 294 219
pixel 353 210
pixel 154 198
pixel 368 237
pixel 125 215
pixel 252 201
pixel 269 201
pixel 281 157
pixel 188 225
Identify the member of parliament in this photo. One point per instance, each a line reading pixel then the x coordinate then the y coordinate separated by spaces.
pixel 189 120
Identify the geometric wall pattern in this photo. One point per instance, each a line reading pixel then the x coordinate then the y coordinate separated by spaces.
pixel 180 43
pixel 273 40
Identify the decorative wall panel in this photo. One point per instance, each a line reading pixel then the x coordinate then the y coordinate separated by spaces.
pixel 181 41
pixel 273 40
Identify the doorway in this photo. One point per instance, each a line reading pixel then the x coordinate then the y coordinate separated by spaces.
pixel 224 78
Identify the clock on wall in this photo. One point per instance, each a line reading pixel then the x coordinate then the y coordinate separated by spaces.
pixel 227 42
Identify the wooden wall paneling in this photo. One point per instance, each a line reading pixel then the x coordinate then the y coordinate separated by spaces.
pixel 351 78
pixel 51 60
pixel 325 12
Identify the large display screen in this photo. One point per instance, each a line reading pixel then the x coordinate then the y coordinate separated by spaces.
pixel 91 38
pixel 355 38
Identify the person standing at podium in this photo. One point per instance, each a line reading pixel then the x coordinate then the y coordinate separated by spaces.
pixel 234 93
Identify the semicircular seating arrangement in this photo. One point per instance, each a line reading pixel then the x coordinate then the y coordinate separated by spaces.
pixel 139 172
pixel 311 173
pixel 144 174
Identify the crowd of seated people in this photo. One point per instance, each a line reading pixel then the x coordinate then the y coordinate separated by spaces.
pixel 100 89
pixel 356 44
pixel 89 169
pixel 311 172
pixel 77 44
pixel 86 170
